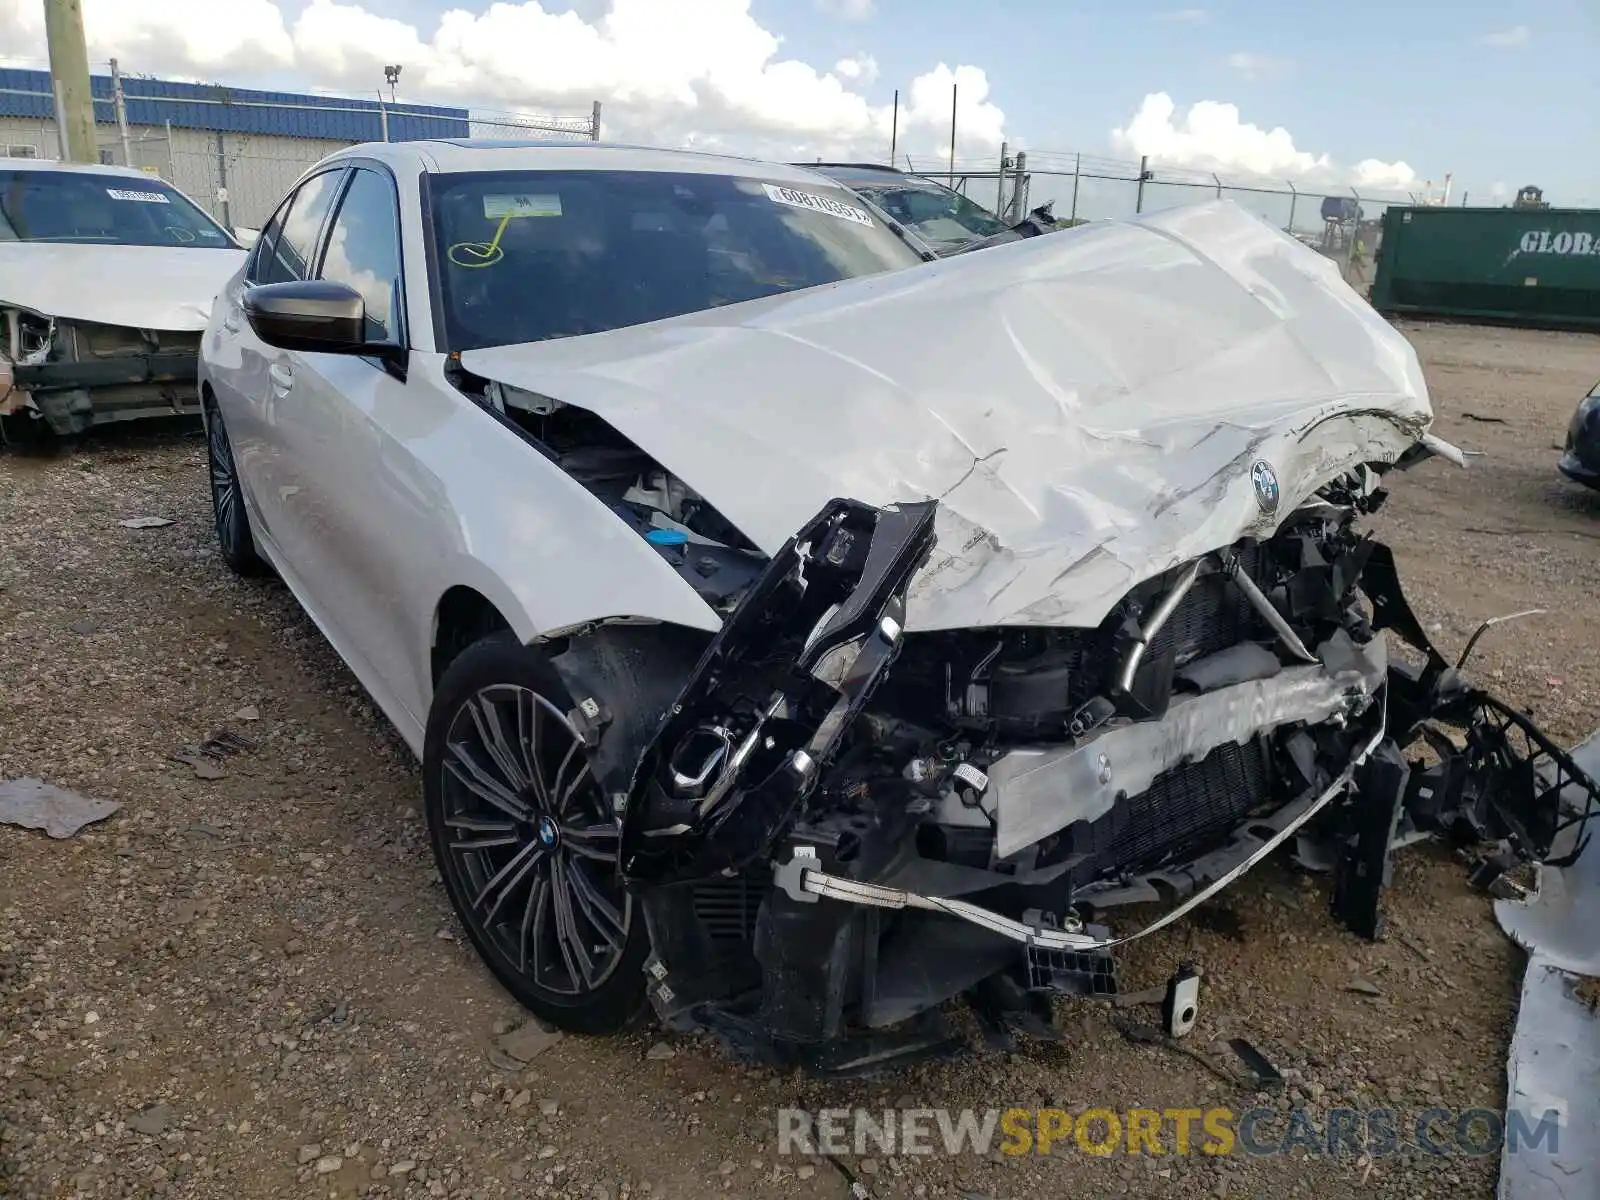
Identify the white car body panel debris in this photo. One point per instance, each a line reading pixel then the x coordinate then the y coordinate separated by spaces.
pixel 1555 1048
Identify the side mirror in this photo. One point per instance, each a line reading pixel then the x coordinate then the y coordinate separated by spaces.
pixel 316 315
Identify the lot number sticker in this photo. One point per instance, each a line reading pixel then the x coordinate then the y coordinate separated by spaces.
pixel 821 204
pixel 496 207
pixel 141 197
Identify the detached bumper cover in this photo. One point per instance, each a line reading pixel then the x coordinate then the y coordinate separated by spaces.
pixel 1555 1049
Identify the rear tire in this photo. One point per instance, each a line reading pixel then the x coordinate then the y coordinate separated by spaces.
pixel 527 843
pixel 234 537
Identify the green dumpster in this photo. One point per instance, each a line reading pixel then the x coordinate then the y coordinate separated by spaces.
pixel 1537 267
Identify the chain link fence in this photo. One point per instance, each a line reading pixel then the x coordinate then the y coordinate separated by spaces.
pixel 239 178
pixel 1344 223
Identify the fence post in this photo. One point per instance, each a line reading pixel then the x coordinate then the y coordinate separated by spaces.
pixel 1000 187
pixel 952 135
pixel 1077 171
pixel 222 181
pixel 1144 174
pixel 172 159
pixel 1355 234
pixel 1218 182
pixel 1294 196
pixel 120 106
pixel 594 123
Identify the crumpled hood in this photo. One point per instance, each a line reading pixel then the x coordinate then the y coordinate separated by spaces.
pixel 1088 408
pixel 143 287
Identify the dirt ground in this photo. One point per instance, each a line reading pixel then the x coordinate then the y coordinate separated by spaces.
pixel 252 986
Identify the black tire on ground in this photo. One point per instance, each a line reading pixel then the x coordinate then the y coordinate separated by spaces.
pixel 232 523
pixel 526 841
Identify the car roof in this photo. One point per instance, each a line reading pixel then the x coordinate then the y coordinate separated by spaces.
pixel 457 155
pixel 52 164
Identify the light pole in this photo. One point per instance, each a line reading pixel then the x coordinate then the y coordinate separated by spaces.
pixel 391 76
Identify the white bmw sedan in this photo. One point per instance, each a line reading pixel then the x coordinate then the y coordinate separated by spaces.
pixel 795 634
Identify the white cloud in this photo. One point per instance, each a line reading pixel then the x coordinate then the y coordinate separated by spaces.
pixel 1258 66
pixel 1211 136
pixel 861 68
pixel 1183 16
pixel 1517 35
pixel 847 10
pixel 1499 190
pixel 173 37
pixel 684 72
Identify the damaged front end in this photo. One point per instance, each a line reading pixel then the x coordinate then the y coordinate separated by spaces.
pixel 68 375
pixel 839 825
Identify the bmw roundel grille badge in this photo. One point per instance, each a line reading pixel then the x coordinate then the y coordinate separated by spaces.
pixel 1266 485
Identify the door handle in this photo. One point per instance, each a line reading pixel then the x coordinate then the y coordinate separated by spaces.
pixel 282 378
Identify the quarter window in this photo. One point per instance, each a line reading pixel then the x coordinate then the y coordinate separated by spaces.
pixel 364 251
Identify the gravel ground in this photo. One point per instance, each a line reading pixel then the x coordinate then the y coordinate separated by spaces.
pixel 251 986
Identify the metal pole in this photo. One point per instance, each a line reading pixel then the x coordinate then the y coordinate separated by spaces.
pixel 894 128
pixel 1077 170
pixel 69 69
pixel 383 117
pixel 1355 232
pixel 594 123
pixel 1019 188
pixel 120 104
pixel 1144 173
pixel 172 161
pixel 226 217
pixel 952 135
pixel 1000 186
pixel 1218 182
pixel 1294 197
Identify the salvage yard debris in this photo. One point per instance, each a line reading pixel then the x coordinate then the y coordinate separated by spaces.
pixel 60 812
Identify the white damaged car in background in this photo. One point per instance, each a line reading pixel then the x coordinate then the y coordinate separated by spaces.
pixel 793 643
pixel 107 275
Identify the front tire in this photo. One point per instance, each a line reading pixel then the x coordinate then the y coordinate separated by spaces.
pixel 234 538
pixel 527 843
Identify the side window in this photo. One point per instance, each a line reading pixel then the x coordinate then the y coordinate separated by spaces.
pixel 261 252
pixel 291 250
pixel 364 251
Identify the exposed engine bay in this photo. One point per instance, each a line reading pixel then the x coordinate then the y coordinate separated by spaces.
pixel 838 825
pixel 66 375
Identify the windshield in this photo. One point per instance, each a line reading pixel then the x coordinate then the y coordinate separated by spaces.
pixel 112 210
pixel 529 255
pixel 938 215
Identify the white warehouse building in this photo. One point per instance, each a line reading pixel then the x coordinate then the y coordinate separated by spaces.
pixel 235 151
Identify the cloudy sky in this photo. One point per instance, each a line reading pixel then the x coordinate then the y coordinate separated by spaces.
pixel 1380 94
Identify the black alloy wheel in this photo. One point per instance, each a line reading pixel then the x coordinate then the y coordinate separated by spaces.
pixel 232 523
pixel 527 843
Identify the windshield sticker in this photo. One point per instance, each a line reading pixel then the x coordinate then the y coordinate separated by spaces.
pixel 141 197
pixel 498 207
pixel 816 203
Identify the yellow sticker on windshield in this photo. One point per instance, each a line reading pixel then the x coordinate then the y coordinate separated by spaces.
pixel 498 206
